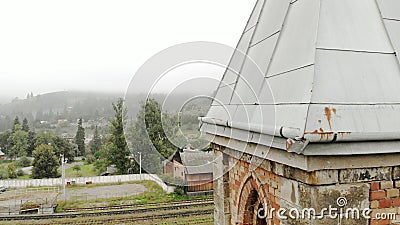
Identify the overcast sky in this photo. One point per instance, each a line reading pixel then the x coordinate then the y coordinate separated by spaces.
pixel 98 45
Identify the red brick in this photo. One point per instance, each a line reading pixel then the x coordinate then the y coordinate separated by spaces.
pixel 374 186
pixel 385 203
pixel 377 195
pixel 396 202
pixel 380 222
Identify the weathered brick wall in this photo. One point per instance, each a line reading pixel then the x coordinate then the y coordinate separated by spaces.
pixel 385 198
pixel 243 186
pixel 243 181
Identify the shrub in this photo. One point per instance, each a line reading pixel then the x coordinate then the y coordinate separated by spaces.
pixel 11 171
pixel 179 190
pixel 23 162
pixel 20 173
pixel 90 159
pixel 3 174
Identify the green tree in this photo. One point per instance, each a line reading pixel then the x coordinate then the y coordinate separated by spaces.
pixel 25 126
pixel 117 147
pixel 63 147
pixel 45 163
pixel 102 159
pixel 60 146
pixel 148 135
pixel 80 138
pixel 18 143
pixel 16 122
pixel 4 144
pixel 31 142
pixel 96 143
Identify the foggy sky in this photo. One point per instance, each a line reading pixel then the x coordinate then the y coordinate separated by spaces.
pixel 97 45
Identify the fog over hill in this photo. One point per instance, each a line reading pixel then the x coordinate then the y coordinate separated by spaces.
pixel 70 106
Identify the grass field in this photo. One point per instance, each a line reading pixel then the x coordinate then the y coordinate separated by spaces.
pixel 87 170
pixel 154 194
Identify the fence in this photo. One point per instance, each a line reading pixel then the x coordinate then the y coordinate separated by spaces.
pixel 84 180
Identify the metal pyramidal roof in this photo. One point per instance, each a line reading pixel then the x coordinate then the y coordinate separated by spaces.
pixel 326 71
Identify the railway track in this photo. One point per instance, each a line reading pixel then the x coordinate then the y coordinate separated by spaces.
pixel 148 205
pixel 141 212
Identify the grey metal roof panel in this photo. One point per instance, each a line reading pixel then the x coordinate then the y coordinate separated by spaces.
pixel 290 87
pixel 271 19
pixel 393 29
pixel 296 45
pixel 390 9
pixel 331 73
pixel 260 55
pixel 353 119
pixel 220 112
pixel 229 78
pixel 224 95
pixel 197 162
pixel 352 25
pixel 356 77
pixel 239 54
pixel 282 115
pixel 247 89
pixel 255 15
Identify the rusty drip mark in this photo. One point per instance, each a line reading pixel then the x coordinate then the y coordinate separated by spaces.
pixel 325 135
pixel 334 110
pixel 319 121
pixel 328 115
pixel 322 134
pixel 344 133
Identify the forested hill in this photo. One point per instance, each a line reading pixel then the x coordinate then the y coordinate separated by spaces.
pixel 58 106
pixel 69 106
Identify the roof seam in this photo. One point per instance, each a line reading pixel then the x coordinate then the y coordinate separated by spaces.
pixel 392 19
pixel 264 39
pixel 313 79
pixel 289 71
pixel 234 51
pixel 353 50
pixel 247 50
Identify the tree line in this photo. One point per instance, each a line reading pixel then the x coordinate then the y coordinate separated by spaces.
pixel 104 151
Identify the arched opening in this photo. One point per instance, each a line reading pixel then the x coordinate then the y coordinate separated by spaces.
pixel 251 210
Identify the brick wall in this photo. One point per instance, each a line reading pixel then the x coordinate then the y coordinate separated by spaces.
pixel 243 182
pixel 244 187
pixel 385 198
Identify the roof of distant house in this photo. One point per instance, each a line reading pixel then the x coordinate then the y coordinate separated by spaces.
pixel 197 162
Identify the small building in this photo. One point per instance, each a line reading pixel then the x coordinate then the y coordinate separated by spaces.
pixel 68 137
pixel 194 168
pixel 2 155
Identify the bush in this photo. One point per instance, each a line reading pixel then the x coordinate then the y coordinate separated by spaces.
pixel 90 159
pixel 20 173
pixel 23 162
pixel 179 190
pixel 11 171
pixel 3 174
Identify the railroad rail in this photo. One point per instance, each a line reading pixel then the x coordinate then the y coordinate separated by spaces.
pixel 109 211
pixel 147 205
